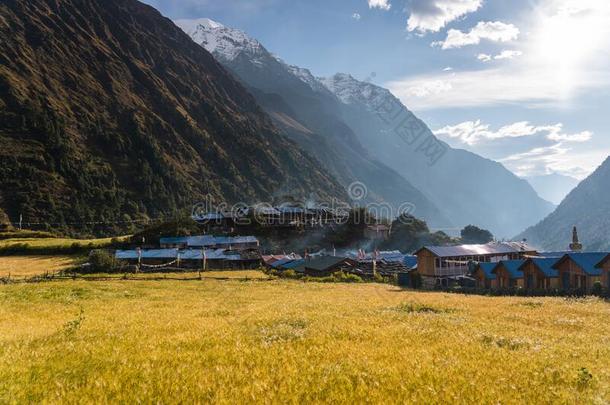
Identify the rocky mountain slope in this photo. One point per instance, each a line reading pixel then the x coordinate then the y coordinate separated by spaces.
pixel 587 207
pixel 311 115
pixel 111 114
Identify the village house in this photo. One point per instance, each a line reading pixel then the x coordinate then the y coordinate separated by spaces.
pixel 484 277
pixel 210 242
pixel 539 274
pixel 323 266
pixel 189 258
pixel 579 270
pixel 508 274
pixel 440 264
pixel 604 266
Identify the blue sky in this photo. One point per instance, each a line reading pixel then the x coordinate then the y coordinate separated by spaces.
pixel 524 82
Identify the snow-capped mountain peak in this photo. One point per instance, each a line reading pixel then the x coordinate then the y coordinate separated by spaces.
pixel 352 91
pixel 224 42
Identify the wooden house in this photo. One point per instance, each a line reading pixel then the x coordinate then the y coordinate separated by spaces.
pixel 579 270
pixel 323 266
pixel 484 277
pixel 539 274
pixel 604 266
pixel 440 263
pixel 508 274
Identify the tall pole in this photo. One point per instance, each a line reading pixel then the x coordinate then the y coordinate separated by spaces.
pixel 202 268
pixel 139 259
pixel 20 220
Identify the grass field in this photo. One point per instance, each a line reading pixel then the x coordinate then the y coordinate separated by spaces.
pixel 55 243
pixel 284 341
pixel 28 266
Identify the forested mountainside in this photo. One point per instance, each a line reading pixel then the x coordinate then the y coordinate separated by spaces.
pixel 587 207
pixel 311 115
pixel 110 113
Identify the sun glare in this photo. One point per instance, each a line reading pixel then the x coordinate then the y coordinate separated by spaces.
pixel 567 37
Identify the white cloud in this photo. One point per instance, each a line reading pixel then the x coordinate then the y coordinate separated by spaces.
pixel 380 4
pixel 356 16
pixel 506 54
pixel 448 69
pixel 556 158
pixel 433 15
pixel 495 31
pixel 499 85
pixel 579 137
pixel 565 54
pixel 430 88
pixel 474 132
pixel 556 153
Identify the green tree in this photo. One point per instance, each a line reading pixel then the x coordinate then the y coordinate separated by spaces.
pixel 475 235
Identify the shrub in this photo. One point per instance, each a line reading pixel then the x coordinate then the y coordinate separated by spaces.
pixel 342 277
pixel 597 288
pixel 101 261
pixel 289 274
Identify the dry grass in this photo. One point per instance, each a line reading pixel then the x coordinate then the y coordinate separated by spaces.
pixel 56 243
pixel 28 266
pixel 288 341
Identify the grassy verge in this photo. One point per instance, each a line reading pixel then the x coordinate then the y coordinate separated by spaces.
pixel 230 341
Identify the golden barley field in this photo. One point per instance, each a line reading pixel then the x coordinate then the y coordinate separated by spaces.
pixel 29 266
pixel 56 243
pixel 284 341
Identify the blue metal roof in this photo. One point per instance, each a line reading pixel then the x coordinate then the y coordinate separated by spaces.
pixel 186 254
pixel 200 241
pixel 278 263
pixel 147 254
pixel 173 240
pixel 209 240
pixel 293 264
pixel 488 269
pixel 410 261
pixel 586 261
pixel 512 267
pixel 545 265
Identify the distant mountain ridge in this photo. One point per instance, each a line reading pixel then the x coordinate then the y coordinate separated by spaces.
pixel 463 186
pixel 309 114
pixel 553 187
pixel 587 207
pixel 110 114
pixel 468 188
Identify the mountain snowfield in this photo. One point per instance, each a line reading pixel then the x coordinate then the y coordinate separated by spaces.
pixel 462 185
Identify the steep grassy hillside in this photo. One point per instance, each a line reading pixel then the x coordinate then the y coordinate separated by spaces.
pixel 110 113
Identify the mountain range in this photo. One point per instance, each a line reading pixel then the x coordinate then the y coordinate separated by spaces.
pixel 361 131
pixel 111 114
pixel 310 114
pixel 587 207
pixel 553 187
